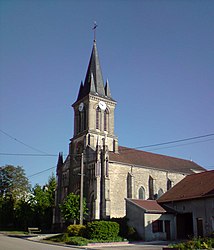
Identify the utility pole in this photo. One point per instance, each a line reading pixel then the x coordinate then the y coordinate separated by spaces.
pixel 81 190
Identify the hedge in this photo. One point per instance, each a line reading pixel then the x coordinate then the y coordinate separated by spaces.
pixel 76 230
pixel 102 230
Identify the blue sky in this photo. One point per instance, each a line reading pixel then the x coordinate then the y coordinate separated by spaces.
pixel 157 55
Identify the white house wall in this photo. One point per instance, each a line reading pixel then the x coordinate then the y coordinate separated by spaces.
pixel 200 208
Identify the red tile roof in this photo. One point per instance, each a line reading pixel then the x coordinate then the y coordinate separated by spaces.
pixel 191 187
pixel 148 205
pixel 151 160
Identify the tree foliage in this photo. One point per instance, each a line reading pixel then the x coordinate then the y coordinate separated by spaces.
pixel 21 207
pixel 14 186
pixel 13 182
pixel 70 208
pixel 42 202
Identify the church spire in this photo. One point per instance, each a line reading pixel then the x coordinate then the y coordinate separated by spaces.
pixel 107 89
pixel 95 70
pixel 94 83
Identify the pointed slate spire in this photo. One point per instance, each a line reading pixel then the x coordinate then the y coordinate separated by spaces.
pixel 95 69
pixel 92 84
pixel 94 80
pixel 80 94
pixel 107 89
pixel 60 161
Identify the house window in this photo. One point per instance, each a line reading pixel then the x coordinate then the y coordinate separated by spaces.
pixel 157 226
pixel 142 193
pixel 98 115
pixel 151 188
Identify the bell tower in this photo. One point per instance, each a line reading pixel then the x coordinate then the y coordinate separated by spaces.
pixel 89 148
pixel 94 109
pixel 94 137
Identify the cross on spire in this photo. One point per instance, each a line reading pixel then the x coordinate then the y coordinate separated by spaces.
pixel 94 28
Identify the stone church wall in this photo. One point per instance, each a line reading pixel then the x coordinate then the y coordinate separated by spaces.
pixel 119 186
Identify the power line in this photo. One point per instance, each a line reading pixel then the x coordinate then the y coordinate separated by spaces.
pixel 21 142
pixel 127 149
pixel 31 155
pixel 153 145
pixel 41 171
pixel 176 141
pixel 181 145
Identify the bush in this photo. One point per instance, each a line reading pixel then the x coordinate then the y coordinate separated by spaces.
pixel 132 234
pixel 65 238
pixel 102 230
pixel 78 241
pixel 76 230
pixel 196 243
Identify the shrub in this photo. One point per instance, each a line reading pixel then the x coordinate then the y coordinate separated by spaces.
pixel 102 230
pixel 56 238
pixel 78 241
pixel 132 234
pixel 123 226
pixel 76 230
pixel 195 243
pixel 65 238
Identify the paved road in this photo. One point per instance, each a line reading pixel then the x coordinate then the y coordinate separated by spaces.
pixel 13 243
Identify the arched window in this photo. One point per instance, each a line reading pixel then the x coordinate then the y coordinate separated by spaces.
pixel 84 119
pixel 106 120
pixel 129 185
pixel 107 167
pixel 81 121
pixel 98 115
pixel 77 127
pixel 142 193
pixel 160 192
pixel 89 139
pixel 151 188
pixel 169 184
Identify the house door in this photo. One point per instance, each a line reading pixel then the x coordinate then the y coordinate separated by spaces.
pixel 167 229
pixel 200 227
pixel 184 225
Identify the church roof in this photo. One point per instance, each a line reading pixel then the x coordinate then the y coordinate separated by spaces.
pixel 94 83
pixel 193 186
pixel 146 159
pixel 149 206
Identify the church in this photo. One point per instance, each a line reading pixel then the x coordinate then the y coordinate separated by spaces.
pixel 111 173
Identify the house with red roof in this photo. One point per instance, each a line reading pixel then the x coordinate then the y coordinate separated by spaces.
pixel 185 210
pixel 192 199
pixel 150 220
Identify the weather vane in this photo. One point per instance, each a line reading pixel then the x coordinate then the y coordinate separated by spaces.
pixel 94 28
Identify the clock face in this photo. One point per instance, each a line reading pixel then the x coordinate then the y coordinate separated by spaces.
pixel 81 106
pixel 102 105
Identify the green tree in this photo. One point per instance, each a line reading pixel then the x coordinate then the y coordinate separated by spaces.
pixel 70 208
pixel 13 182
pixel 23 214
pixel 14 186
pixel 42 201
